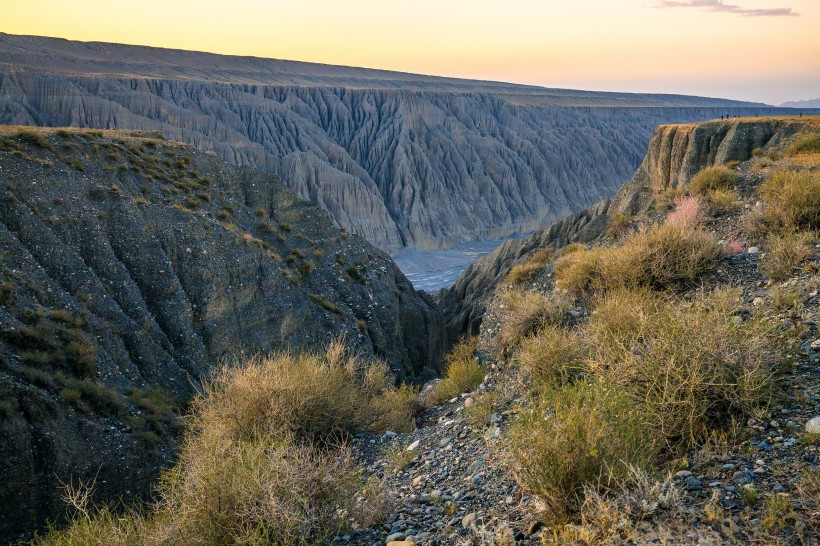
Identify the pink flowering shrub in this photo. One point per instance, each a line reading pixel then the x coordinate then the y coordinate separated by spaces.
pixel 688 212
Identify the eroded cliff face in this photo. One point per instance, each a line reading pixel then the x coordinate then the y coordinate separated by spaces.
pixel 403 160
pixel 675 153
pixel 129 266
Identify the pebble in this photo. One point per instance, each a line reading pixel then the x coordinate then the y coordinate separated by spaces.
pixel 395 537
pixel 813 425
pixel 469 519
pixel 693 484
pixel 753 250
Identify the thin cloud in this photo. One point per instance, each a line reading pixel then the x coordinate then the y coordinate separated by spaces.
pixel 719 5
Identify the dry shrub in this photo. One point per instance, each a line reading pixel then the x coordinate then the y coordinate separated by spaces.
pixel 792 199
pixel 666 200
pixel 619 224
pixel 396 409
pixel 577 436
pixel 723 201
pixel 754 224
pixel 713 178
pixel 264 460
pixel 693 368
pixel 312 397
pixel 104 527
pixel 808 488
pixel 553 355
pixel 525 312
pixel 612 516
pixel 662 257
pixel 804 143
pixel 523 272
pixel 264 490
pixel 463 373
pixel 786 252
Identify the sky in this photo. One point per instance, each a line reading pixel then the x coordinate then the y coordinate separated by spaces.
pixel 759 50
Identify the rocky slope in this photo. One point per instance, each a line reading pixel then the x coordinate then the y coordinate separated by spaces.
pixel 129 266
pixel 404 160
pixel 451 478
pixel 675 153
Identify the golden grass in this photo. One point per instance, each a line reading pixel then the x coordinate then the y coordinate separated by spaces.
pixel 661 257
pixel 792 199
pixel 523 272
pixel 713 178
pixel 525 312
pixel 723 201
pixel 572 437
pixel 786 252
pixel 463 372
pixel 264 460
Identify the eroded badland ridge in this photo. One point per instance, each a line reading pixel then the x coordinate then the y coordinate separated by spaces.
pixel 401 159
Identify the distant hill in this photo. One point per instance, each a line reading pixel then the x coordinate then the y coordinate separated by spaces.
pixel 811 103
pixel 404 160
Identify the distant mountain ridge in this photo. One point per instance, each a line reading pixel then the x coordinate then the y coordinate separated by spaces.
pixel 404 160
pixel 810 103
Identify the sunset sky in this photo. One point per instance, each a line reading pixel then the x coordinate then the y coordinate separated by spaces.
pixel 761 50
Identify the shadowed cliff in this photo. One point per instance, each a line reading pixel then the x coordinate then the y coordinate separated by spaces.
pixel 129 267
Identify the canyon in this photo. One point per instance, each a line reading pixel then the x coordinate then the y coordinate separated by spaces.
pixel 406 161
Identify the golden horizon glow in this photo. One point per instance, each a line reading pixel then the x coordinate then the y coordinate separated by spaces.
pixel 623 45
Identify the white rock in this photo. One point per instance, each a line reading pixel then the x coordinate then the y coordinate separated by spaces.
pixel 413 446
pixel 753 250
pixel 813 426
pixel 469 402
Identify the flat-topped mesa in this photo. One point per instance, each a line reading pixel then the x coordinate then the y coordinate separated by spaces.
pixel 675 154
pixel 404 160
pixel 130 267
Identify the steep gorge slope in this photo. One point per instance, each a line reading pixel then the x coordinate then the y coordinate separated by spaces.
pixel 404 160
pixel 674 155
pixel 129 267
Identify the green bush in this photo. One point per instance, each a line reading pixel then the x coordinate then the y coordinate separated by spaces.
pixel 576 436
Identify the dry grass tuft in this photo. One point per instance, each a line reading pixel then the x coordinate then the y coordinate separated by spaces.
pixel 805 143
pixel 786 252
pixel 692 367
pixel 713 178
pixel 619 224
pixel 662 257
pixel 264 460
pixel 723 201
pixel 792 199
pixel 463 373
pixel 523 272
pixel 525 312
pixel 553 355
pixel 573 437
